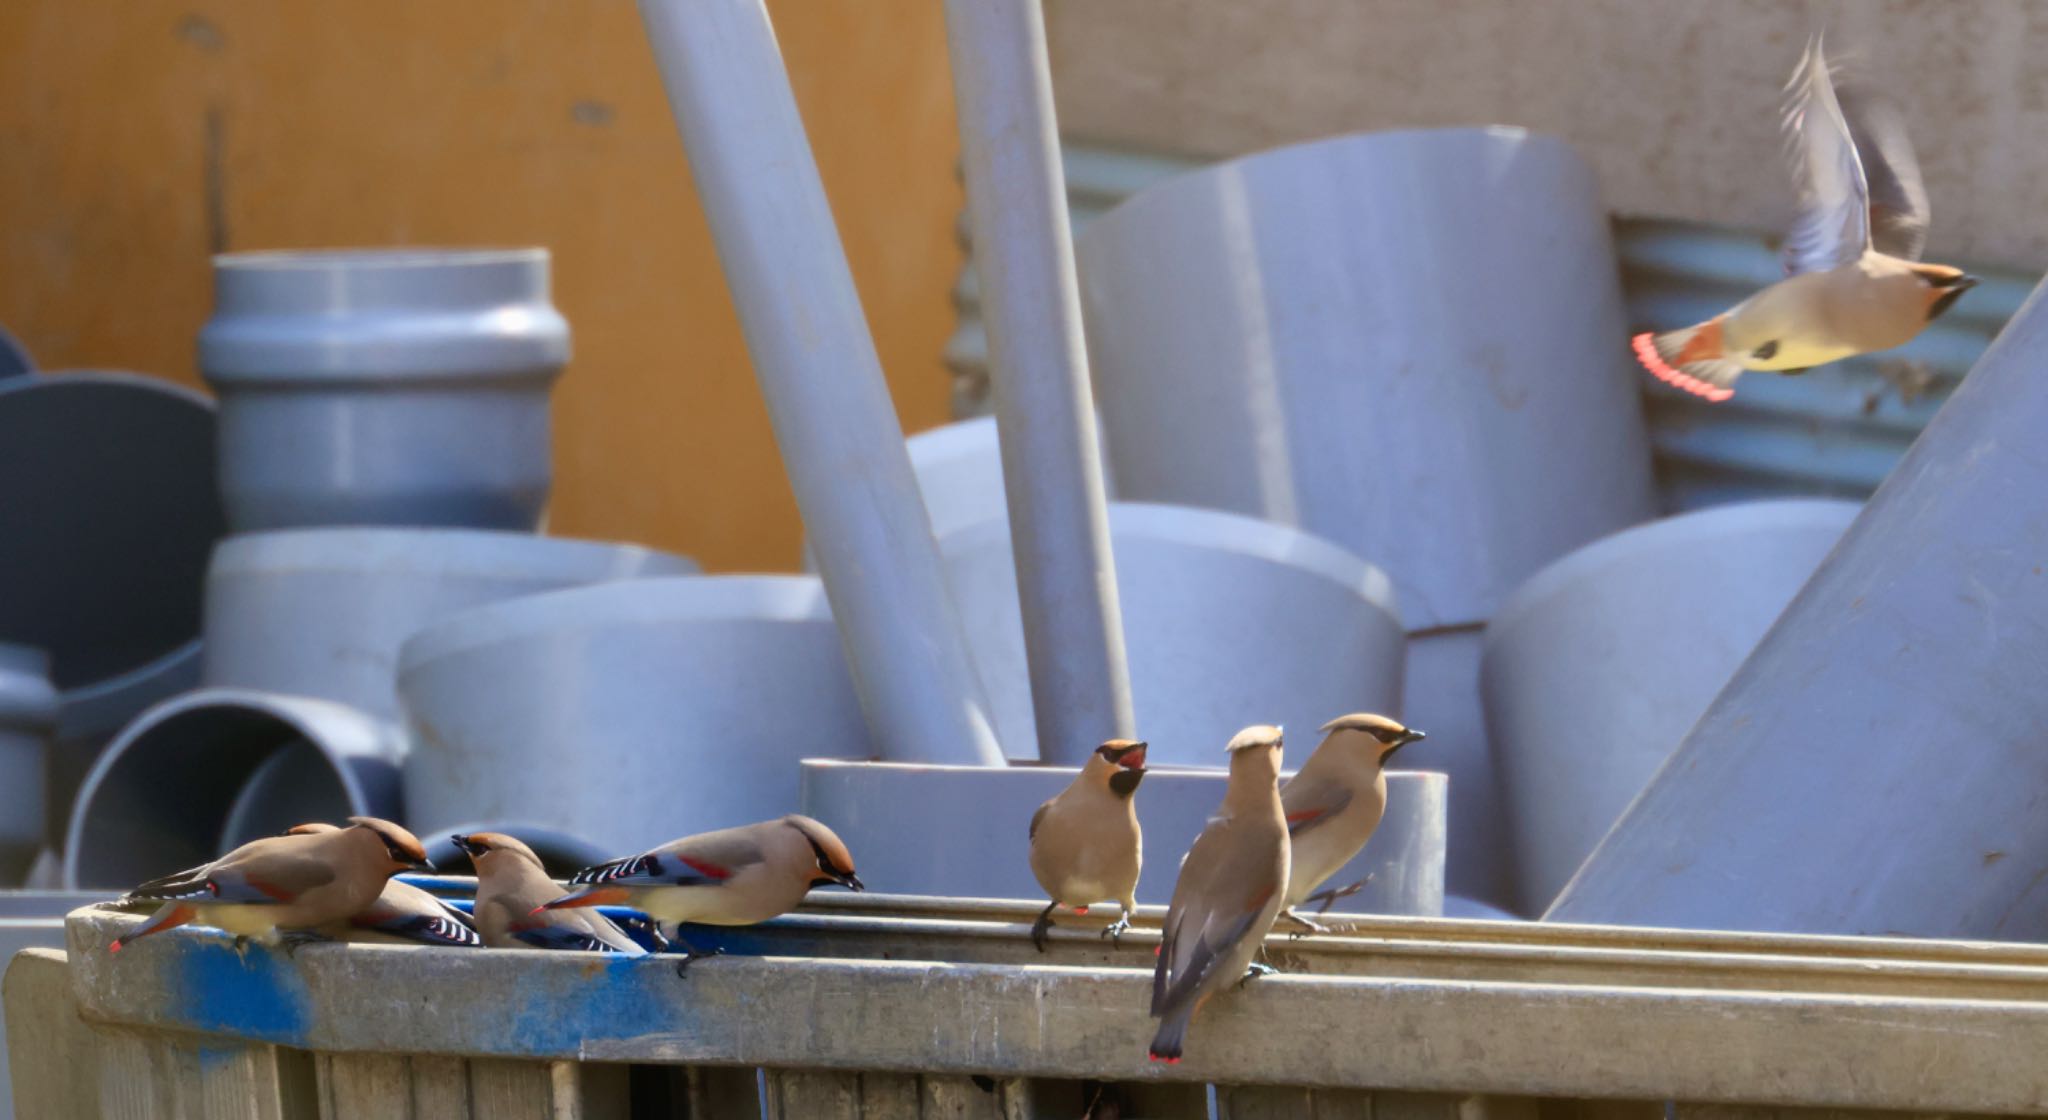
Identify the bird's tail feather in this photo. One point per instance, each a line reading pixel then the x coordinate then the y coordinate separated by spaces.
pixel 170 916
pixel 1691 359
pixel 1173 1031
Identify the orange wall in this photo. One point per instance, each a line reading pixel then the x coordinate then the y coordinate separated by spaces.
pixel 137 136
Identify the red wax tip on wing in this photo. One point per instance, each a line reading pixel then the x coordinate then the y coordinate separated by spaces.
pixel 710 870
pixel 115 947
pixel 1646 352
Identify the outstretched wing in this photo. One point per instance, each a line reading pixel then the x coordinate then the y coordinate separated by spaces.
pixel 1891 171
pixel 1832 227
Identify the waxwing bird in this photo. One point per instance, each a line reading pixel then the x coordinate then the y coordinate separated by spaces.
pixel 296 882
pixel 1085 843
pixel 401 913
pixel 1854 282
pixel 512 886
pixel 1334 802
pixel 732 877
pixel 1229 891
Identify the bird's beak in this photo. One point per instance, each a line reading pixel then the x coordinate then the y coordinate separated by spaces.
pixel 1133 759
pixel 850 881
pixel 1950 293
pixel 422 865
pixel 1413 736
pixel 464 845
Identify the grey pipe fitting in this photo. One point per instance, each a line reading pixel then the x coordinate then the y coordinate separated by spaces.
pixel 984 818
pixel 1228 621
pixel 110 479
pixel 1876 766
pixel 1599 664
pixel 1267 339
pixel 628 714
pixel 164 795
pixel 384 387
pixel 323 612
pixel 28 715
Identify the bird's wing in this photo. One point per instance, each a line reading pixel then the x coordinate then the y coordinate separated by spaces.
pixel 409 912
pixel 1036 818
pixel 1188 958
pixel 189 883
pixel 1309 802
pixel 272 879
pixel 558 929
pixel 1223 887
pixel 698 861
pixel 1833 223
pixel 1891 171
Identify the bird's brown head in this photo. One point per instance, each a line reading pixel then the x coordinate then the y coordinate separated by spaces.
pixel 311 828
pixel 834 866
pixel 400 846
pixel 1377 733
pixel 1943 287
pixel 477 845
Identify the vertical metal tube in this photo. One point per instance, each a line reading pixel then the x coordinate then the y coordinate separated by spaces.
pixel 834 423
pixel 1038 368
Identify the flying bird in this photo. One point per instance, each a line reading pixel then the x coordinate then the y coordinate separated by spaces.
pixel 511 888
pixel 291 882
pixel 1333 804
pixel 1229 891
pixel 732 877
pixel 1854 283
pixel 1085 843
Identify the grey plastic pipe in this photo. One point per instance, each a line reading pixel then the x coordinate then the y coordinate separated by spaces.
pixel 1877 765
pixel 384 386
pixel 1038 371
pixel 28 713
pixel 816 363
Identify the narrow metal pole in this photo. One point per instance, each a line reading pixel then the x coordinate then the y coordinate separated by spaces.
pixel 1038 368
pixel 834 423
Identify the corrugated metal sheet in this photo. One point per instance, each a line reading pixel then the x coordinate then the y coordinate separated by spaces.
pixel 1836 431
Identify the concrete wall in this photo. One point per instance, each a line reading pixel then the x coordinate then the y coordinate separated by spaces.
pixel 1673 100
pixel 137 136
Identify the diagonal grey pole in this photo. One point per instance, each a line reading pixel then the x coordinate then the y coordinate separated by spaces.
pixel 834 423
pixel 1879 764
pixel 1038 368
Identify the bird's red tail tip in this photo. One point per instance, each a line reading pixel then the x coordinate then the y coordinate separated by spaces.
pixel 1645 346
pixel 1166 1059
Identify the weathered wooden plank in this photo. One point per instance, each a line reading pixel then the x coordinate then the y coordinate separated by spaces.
pixel 525 1090
pixel 804 1094
pixel 164 1076
pixel 365 1085
pixel 440 1086
pixel 1416 1035
pixel 53 1055
pixel 972 1098
pixel 716 1091
pixel 1262 1102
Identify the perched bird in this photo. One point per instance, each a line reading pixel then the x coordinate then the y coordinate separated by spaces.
pixel 512 886
pixel 402 912
pixel 732 877
pixel 297 882
pixel 1230 888
pixel 1334 802
pixel 1853 282
pixel 1085 844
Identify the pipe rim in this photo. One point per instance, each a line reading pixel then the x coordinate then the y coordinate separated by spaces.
pixel 439 551
pixel 659 601
pixel 1678 531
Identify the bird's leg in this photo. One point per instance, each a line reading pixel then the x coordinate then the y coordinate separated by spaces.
pixel 1043 925
pixel 1330 897
pixel 1255 970
pixel 690 953
pixel 1115 930
pixel 292 940
pixel 1308 925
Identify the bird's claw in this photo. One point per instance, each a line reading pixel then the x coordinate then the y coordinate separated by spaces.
pixel 1308 925
pixel 1253 971
pixel 1330 897
pixel 1043 925
pixel 1115 930
pixel 691 956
